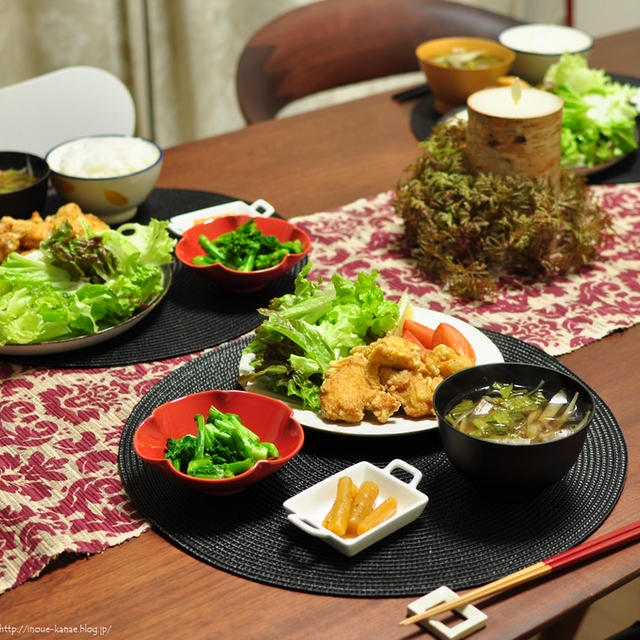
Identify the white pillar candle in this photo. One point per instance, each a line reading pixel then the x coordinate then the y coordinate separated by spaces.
pixel 515 132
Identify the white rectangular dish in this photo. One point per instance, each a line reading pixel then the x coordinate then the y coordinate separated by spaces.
pixel 180 223
pixel 308 508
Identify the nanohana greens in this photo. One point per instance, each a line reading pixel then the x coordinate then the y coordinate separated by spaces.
pixel 598 116
pixel 222 448
pixel 307 329
pixel 74 286
pixel 246 248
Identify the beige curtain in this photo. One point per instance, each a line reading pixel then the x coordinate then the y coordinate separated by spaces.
pixel 177 57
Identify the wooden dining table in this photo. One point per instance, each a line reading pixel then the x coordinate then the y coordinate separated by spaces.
pixel 147 588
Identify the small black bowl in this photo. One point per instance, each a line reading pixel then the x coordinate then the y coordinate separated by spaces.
pixel 510 468
pixel 23 202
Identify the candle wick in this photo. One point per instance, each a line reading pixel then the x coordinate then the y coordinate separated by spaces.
pixel 516 90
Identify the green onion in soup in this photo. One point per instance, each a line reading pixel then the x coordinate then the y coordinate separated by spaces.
pixel 15 179
pixel 518 415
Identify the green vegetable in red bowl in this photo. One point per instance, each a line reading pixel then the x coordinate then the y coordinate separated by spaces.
pixel 246 248
pixel 241 253
pixel 247 438
pixel 598 117
pixel 223 447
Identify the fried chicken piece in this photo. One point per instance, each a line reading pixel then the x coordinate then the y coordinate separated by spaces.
pixel 31 231
pixel 412 389
pixel 73 214
pixel 392 351
pixel 347 392
pixel 9 242
pixel 384 376
pixel 449 361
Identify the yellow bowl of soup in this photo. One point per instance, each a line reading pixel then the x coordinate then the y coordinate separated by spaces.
pixel 456 67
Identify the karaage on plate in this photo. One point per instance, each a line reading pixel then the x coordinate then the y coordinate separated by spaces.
pixel 385 376
pixel 24 235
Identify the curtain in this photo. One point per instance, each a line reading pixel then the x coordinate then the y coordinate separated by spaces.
pixel 177 57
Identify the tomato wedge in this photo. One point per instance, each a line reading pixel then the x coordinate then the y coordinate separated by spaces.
pixel 450 336
pixel 408 335
pixel 419 331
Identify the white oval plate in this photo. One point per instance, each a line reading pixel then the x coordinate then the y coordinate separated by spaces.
pixel 80 342
pixel 399 424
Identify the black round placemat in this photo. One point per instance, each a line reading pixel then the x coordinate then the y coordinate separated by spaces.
pixel 424 117
pixel 195 314
pixel 463 538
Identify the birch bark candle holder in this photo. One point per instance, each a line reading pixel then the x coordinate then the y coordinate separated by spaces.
pixel 515 131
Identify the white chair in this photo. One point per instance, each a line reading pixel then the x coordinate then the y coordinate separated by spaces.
pixel 39 113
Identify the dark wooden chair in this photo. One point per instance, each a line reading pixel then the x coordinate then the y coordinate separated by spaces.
pixel 332 43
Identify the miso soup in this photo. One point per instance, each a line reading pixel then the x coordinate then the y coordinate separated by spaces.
pixel 15 179
pixel 461 58
pixel 514 414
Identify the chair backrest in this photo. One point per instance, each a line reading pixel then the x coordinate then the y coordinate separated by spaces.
pixel 41 112
pixel 332 43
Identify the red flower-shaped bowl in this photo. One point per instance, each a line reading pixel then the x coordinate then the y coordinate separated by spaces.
pixel 270 419
pixel 230 279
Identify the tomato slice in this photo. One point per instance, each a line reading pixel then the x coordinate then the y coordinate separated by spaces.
pixel 450 336
pixel 423 333
pixel 408 335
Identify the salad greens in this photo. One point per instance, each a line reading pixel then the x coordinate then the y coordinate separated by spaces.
pixel 246 248
pixel 307 329
pixel 77 286
pixel 222 448
pixel 598 117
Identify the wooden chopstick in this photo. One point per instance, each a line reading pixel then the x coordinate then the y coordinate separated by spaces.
pixel 583 551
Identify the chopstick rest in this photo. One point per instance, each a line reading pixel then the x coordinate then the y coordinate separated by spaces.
pixel 473 618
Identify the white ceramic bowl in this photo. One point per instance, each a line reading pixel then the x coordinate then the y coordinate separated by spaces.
pixel 308 509
pixel 108 175
pixel 538 46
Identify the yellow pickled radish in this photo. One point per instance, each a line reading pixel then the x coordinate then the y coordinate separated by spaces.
pixel 338 517
pixel 362 505
pixel 379 515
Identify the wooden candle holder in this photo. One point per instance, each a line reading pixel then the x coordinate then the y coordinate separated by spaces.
pixel 510 137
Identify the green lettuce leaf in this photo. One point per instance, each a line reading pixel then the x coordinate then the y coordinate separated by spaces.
pixel 305 331
pixel 598 116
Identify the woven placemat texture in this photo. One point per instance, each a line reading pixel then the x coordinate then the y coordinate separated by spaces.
pixel 424 117
pixel 464 538
pixel 195 314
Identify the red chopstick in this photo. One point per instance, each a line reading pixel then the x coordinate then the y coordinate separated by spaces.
pixel 583 551
pixel 596 546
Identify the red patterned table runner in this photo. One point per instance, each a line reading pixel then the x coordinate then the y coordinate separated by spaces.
pixel 59 429
pixel 557 317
